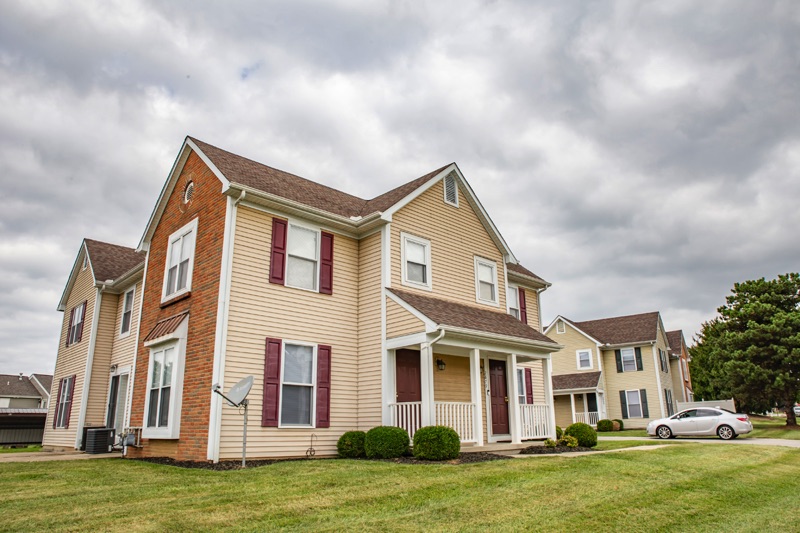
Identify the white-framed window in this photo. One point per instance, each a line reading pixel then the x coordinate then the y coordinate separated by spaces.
pixel 127 313
pixel 302 259
pixel 486 281
pixel 522 393
pixel 64 402
pixel 416 258
pixel 450 190
pixel 628 359
pixel 180 261
pixel 685 369
pixel 560 327
pixel 584 359
pixel 164 392
pixel 77 317
pixel 634 404
pixel 298 376
pixel 512 297
pixel 160 386
pixel 664 358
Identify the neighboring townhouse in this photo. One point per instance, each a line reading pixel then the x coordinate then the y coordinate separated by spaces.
pixel 679 367
pixel 612 368
pixel 101 304
pixel 23 408
pixel 408 309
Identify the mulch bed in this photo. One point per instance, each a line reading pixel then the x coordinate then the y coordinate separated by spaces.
pixel 463 458
pixel 544 450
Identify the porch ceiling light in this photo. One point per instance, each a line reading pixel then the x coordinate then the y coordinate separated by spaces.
pixel 440 364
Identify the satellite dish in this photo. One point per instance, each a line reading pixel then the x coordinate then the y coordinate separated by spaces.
pixel 239 392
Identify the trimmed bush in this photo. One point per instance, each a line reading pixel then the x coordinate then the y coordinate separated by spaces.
pixel 587 437
pixel 559 432
pixel 386 442
pixel 605 425
pixel 436 443
pixel 550 443
pixel 351 444
pixel 569 441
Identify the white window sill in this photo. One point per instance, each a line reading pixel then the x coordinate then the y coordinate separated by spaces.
pixel 415 285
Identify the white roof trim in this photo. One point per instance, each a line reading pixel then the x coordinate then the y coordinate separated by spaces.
pixel 73 275
pixel 576 328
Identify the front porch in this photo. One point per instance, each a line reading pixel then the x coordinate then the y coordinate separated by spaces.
pixel 587 407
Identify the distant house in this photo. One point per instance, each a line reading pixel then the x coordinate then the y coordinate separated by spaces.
pixel 679 366
pixel 23 407
pixel 615 367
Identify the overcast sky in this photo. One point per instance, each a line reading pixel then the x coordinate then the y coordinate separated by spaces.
pixel 639 157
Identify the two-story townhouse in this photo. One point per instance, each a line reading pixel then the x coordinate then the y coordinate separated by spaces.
pixel 101 304
pixel 679 367
pixel 408 309
pixel 612 368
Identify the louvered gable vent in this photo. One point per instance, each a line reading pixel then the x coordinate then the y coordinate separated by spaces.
pixel 450 190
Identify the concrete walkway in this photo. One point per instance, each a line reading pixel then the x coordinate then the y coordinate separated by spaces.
pixel 713 440
pixel 33 457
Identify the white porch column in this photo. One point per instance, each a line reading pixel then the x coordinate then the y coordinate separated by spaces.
pixel 389 380
pixel 548 393
pixel 476 392
pixel 426 378
pixel 514 419
pixel 572 402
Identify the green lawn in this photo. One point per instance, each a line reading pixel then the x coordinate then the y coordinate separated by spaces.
pixel 686 487
pixel 763 428
pixel 34 448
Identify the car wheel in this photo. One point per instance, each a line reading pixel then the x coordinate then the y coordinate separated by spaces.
pixel 664 432
pixel 726 432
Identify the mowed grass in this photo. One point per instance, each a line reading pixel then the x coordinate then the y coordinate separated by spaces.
pixel 763 428
pixel 31 448
pixel 689 487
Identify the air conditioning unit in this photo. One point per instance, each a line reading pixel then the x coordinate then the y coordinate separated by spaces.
pixel 99 440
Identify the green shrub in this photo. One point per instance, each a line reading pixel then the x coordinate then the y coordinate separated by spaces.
pixel 559 432
pixel 569 441
pixel 621 424
pixel 550 443
pixel 436 443
pixel 351 444
pixel 386 442
pixel 605 425
pixel 586 436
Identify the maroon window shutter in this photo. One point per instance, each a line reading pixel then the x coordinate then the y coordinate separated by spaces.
pixel 326 264
pixel 83 321
pixel 528 386
pixel 69 328
pixel 272 383
pixel 58 402
pixel 323 386
pixel 277 262
pixel 69 404
pixel 523 309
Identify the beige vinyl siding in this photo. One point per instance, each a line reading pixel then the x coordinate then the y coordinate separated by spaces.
pixel 563 407
pixel 260 310
pixel 125 347
pixel 369 332
pixel 565 361
pixel 400 322
pixel 456 236
pixel 451 384
pixel 532 308
pixel 617 381
pixel 676 381
pixel 666 377
pixel 71 360
pixel 101 362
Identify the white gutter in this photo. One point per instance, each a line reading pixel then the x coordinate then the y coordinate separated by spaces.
pixel 505 339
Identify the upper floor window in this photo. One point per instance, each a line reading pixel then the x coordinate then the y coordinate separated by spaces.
pixel 629 359
pixel 486 281
pixel 560 327
pixel 450 190
pixel 76 320
pixel 416 258
pixel 584 359
pixel 180 261
pixel 302 258
pixel 127 313
pixel 664 360
pixel 512 296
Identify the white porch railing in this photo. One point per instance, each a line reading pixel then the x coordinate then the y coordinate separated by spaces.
pixel 457 415
pixel 407 415
pixel 535 421
pixel 590 417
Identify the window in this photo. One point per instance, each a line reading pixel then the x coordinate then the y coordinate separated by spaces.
pixel 64 406
pixel 297 384
pixel 560 327
pixel 628 360
pixel 164 389
pixel 160 388
pixel 685 369
pixel 76 319
pixel 664 360
pixel 416 257
pixel 668 400
pixel 634 404
pixel 301 257
pixel 521 385
pixel 584 359
pixel 180 261
pixel 513 301
pixel 450 190
pixel 301 262
pixel 485 281
pixel 127 313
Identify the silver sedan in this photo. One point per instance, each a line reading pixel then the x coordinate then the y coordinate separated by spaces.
pixel 702 421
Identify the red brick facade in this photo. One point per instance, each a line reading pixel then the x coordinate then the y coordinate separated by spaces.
pixel 208 206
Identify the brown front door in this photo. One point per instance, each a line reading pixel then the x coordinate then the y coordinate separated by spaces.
pixel 409 384
pixel 498 390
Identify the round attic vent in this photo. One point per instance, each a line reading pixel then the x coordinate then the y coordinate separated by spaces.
pixel 188 192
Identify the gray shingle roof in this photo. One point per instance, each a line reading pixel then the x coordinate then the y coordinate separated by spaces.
pixel 17 386
pixel 674 339
pixel 110 261
pixel 519 269
pixel 581 380
pixel 622 329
